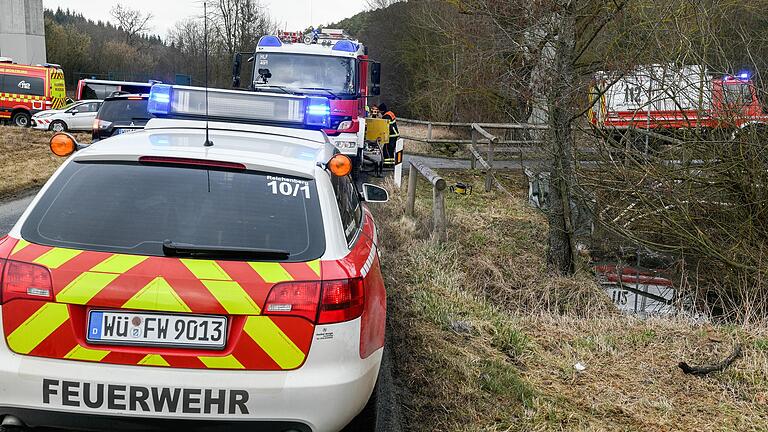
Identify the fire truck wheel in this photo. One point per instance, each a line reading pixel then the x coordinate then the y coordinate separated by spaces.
pixel 58 126
pixel 21 119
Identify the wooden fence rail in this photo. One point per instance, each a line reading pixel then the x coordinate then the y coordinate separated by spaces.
pixel 479 134
pixel 439 222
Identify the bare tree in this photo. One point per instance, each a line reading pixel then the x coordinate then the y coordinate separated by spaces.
pixel 132 21
pixel 380 4
pixel 239 23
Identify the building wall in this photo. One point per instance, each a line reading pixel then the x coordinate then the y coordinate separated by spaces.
pixel 22 31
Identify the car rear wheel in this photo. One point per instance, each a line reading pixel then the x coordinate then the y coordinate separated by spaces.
pixel 21 119
pixel 58 126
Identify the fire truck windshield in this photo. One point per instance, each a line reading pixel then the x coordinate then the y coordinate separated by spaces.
pixel 302 73
pixel 737 94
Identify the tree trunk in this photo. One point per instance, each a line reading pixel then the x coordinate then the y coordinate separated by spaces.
pixel 562 247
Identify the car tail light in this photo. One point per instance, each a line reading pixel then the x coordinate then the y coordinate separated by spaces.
pixel 101 124
pixel 24 280
pixel 342 300
pixel 324 303
pixel 295 299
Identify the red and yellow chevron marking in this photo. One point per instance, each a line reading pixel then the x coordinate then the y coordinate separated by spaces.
pixel 12 97
pixel 57 103
pixel 86 279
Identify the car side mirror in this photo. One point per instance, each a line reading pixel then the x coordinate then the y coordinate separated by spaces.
pixel 75 112
pixel 374 194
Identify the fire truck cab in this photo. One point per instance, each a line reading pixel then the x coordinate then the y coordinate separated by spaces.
pixel 26 90
pixel 331 66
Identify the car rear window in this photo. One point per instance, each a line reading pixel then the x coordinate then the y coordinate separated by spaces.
pixel 133 208
pixel 124 110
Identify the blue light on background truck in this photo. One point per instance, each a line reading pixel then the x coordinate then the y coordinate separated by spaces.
pixel 270 41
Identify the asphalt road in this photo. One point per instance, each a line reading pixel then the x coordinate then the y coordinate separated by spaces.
pixel 11 210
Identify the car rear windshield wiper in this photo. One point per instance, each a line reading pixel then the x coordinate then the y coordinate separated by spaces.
pixel 173 249
pixel 335 96
pixel 281 88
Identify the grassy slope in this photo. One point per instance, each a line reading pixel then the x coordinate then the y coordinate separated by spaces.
pixel 26 162
pixel 484 339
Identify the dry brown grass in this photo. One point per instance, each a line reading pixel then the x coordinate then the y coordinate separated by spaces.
pixel 26 162
pixel 485 340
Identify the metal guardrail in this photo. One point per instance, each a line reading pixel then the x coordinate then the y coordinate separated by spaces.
pixel 439 222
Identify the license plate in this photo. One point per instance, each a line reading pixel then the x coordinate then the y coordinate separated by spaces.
pixel 134 328
pixel 121 131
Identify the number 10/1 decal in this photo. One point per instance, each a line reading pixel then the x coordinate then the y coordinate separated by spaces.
pixel 288 189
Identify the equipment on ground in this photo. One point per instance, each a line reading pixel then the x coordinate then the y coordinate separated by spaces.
pixel 461 188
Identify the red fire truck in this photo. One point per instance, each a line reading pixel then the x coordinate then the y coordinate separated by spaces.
pixel 328 64
pixel 667 97
pixel 26 90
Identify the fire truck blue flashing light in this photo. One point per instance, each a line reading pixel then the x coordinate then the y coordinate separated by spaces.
pixel 346 46
pixel 318 112
pixel 744 75
pixel 270 41
pixel 160 99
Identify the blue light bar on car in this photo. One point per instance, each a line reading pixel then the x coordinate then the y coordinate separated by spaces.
pixel 270 41
pixel 240 106
pixel 346 46
pixel 160 99
pixel 318 112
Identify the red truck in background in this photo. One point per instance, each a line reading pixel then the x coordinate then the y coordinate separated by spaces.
pixel 324 63
pixel 26 90
pixel 665 97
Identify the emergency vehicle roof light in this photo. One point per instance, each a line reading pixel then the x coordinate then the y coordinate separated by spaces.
pixel 269 41
pixel 160 99
pixel 239 106
pixel 346 46
pixel 318 112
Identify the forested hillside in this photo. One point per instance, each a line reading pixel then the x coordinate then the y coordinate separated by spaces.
pixel 87 48
pixel 463 61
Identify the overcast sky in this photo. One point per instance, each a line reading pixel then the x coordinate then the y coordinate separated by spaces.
pixel 289 14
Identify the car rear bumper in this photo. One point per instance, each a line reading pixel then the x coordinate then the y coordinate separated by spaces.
pixel 39 124
pixel 77 421
pixel 323 395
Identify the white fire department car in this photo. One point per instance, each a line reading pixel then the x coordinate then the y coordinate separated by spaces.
pixel 196 276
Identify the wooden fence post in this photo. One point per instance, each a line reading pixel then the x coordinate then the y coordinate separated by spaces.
pixel 440 224
pixel 472 158
pixel 411 200
pixel 429 131
pixel 489 175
